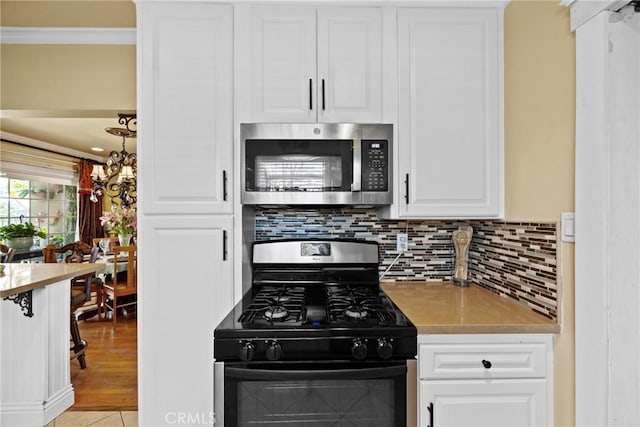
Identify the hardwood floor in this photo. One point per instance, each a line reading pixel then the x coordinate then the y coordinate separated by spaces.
pixel 110 381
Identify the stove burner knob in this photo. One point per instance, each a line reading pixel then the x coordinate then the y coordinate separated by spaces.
pixel 247 351
pixel 359 349
pixel 274 351
pixel 385 349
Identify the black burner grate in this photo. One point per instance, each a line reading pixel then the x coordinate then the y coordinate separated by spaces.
pixel 357 304
pixel 276 305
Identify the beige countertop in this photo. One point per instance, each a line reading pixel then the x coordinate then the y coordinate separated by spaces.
pixel 19 277
pixel 442 308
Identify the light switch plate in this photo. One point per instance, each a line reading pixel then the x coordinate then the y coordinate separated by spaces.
pixel 402 242
pixel 568 226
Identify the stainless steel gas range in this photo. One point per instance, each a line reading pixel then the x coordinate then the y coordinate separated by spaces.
pixel 315 342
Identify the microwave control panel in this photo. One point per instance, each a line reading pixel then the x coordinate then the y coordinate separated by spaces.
pixel 375 160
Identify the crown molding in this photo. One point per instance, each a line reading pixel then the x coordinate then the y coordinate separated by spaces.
pixel 59 35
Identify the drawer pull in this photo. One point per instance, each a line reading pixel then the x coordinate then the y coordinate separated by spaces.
pixel 486 364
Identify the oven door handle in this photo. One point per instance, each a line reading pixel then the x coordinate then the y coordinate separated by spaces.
pixel 331 374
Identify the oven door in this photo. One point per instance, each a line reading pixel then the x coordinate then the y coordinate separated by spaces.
pixel 367 394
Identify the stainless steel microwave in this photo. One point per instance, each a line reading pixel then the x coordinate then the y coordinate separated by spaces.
pixel 316 164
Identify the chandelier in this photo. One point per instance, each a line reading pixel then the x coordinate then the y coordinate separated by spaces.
pixel 117 178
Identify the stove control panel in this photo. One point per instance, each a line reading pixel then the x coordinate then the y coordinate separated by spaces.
pixel 363 347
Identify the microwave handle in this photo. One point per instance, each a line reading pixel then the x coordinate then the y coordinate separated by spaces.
pixel 357 165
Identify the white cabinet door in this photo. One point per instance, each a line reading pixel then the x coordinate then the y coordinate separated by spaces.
pixel 450 137
pixel 349 65
pixel 491 403
pixel 185 107
pixel 312 65
pixel 185 290
pixel 283 64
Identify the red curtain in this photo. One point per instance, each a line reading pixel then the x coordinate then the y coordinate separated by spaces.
pixel 89 213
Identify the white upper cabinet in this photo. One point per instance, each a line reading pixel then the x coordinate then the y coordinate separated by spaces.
pixel 450 115
pixel 349 65
pixel 283 64
pixel 312 64
pixel 185 108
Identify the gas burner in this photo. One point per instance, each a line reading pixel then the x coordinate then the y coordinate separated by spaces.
pixel 357 305
pixel 276 313
pixel 281 298
pixel 356 312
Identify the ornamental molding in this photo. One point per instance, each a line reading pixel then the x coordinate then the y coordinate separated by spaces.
pixel 59 35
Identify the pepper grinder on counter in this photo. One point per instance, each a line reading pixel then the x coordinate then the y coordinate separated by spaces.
pixel 461 242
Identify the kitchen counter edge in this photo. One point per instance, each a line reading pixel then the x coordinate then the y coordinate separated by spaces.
pixel 23 277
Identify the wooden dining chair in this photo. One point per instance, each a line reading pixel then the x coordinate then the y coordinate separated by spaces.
pixel 113 241
pixel 7 253
pixel 81 287
pixel 122 289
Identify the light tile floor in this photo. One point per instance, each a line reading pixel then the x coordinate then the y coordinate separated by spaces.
pixel 96 419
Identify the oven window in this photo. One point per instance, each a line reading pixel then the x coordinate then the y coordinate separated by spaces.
pixel 366 403
pixel 316 394
pixel 298 165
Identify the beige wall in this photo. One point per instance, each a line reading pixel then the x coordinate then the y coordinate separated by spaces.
pixel 539 150
pixel 68 77
pixel 71 13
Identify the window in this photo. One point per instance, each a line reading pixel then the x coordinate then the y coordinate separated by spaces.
pixel 49 206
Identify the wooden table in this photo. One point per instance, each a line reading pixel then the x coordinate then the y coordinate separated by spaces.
pixel 106 264
pixel 35 384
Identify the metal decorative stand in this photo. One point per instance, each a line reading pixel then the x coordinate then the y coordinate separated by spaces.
pixel 461 243
pixel 24 300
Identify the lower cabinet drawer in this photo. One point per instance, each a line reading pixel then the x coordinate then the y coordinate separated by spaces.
pixel 482 360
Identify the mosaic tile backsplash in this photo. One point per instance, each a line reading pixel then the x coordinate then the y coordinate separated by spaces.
pixel 518 260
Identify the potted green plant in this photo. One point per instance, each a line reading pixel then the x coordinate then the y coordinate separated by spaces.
pixel 20 236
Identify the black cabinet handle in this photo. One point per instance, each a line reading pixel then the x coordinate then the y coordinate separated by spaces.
pixel 224 185
pixel 224 245
pixel 322 94
pixel 406 189
pixel 430 409
pixel 486 364
pixel 310 94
